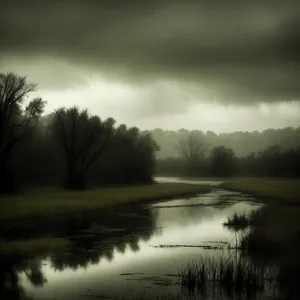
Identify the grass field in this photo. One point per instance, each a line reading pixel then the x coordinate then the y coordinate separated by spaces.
pixel 39 204
pixel 53 202
pixel 285 190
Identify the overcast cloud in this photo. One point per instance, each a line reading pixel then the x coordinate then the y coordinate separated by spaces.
pixel 147 62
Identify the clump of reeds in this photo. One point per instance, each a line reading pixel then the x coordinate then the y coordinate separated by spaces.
pixel 231 276
pixel 242 221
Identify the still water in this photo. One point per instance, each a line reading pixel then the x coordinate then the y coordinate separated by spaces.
pixel 144 253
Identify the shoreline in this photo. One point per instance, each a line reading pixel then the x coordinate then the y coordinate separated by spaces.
pixel 35 234
pixel 48 204
pixel 271 190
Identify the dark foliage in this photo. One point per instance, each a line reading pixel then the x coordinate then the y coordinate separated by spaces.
pixel 222 161
pixel 107 156
pixel 82 139
pixel 130 158
pixel 15 121
pixel 69 147
pixel 274 161
pixel 242 143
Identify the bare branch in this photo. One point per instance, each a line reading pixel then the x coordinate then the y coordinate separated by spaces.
pixel 13 90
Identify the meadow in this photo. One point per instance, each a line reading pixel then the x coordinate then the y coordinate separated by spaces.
pixel 41 203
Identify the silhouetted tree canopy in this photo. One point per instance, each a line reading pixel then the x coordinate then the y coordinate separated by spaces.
pixel 69 146
pixel 222 161
pixel 242 143
pixel 82 138
pixel 272 152
pixel 15 121
pixel 274 161
pixel 130 157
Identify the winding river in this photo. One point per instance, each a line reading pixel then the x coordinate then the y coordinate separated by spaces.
pixel 146 251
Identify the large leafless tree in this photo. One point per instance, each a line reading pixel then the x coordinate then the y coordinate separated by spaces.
pixel 192 150
pixel 15 119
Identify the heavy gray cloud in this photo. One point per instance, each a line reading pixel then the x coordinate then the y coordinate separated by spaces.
pixel 242 51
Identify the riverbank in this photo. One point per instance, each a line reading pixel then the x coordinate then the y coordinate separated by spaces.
pixel 281 216
pixel 42 220
pixel 275 231
pixel 275 190
pixel 43 203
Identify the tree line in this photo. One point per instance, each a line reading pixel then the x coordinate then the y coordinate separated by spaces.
pixel 242 143
pixel 196 159
pixel 70 146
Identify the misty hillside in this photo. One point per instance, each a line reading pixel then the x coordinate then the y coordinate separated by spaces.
pixel 242 143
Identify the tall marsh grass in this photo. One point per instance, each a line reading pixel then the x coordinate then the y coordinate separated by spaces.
pixel 240 276
pixel 242 221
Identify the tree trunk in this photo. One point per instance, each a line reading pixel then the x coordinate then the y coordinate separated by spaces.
pixel 7 182
pixel 75 181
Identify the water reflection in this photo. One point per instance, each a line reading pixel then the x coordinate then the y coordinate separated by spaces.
pixel 153 243
pixel 10 285
pixel 190 181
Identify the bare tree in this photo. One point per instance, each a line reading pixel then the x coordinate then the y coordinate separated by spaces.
pixel 14 120
pixel 192 151
pixel 82 138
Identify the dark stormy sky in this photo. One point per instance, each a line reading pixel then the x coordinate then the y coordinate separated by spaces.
pixel 217 65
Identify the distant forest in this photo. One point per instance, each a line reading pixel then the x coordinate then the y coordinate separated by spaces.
pixel 271 153
pixel 242 143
